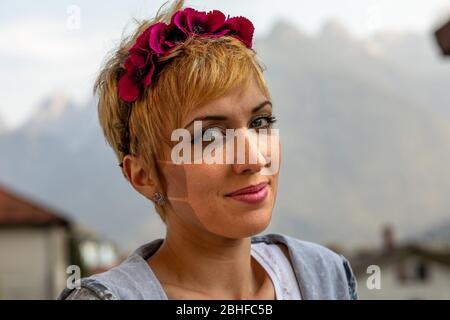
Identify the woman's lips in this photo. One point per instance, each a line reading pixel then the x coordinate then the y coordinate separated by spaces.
pixel 252 194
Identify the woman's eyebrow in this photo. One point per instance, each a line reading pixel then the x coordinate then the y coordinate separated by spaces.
pixel 217 118
pixel 223 118
pixel 261 105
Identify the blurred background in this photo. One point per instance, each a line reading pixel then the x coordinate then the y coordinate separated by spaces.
pixel 361 93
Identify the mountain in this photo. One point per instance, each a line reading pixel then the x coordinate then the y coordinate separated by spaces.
pixel 365 133
pixel 59 118
pixel 333 29
pixel 2 125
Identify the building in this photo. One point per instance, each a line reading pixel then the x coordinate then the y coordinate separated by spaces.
pixel 443 38
pixel 406 271
pixel 37 244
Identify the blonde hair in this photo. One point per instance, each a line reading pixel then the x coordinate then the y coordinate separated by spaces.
pixel 196 72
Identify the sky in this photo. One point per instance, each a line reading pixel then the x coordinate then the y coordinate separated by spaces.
pixel 58 46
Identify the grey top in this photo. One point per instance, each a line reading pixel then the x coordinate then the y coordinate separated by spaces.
pixel 320 273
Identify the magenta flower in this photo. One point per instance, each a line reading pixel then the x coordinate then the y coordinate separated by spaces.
pixel 159 39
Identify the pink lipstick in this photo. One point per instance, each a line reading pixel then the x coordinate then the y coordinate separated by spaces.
pixel 252 195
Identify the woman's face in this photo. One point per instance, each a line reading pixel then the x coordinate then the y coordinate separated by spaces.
pixel 202 196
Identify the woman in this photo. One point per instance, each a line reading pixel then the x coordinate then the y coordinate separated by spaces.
pixel 194 75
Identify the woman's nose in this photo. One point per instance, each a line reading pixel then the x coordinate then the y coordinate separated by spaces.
pixel 250 157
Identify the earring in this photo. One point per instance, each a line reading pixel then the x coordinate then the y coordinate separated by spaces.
pixel 159 198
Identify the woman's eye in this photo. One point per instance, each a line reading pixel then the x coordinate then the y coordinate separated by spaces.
pixel 263 122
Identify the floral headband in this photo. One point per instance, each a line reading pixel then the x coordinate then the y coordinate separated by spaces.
pixel 160 39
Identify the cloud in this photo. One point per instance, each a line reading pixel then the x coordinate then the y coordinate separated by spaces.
pixel 39 57
pixel 40 40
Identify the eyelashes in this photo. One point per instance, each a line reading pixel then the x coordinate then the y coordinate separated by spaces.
pixel 260 122
pixel 270 121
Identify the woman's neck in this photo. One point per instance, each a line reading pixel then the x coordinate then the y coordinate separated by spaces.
pixel 209 265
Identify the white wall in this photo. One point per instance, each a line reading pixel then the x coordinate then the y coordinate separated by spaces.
pixel 32 262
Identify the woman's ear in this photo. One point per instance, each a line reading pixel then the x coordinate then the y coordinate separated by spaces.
pixel 140 176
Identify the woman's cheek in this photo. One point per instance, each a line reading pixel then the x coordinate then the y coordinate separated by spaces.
pixel 177 180
pixel 206 178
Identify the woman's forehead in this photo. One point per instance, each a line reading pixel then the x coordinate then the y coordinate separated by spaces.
pixel 238 101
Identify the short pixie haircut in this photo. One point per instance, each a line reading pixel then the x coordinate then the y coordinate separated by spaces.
pixel 195 73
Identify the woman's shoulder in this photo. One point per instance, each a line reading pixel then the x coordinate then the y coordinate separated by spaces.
pixel 131 279
pixel 89 289
pixel 323 273
pixel 127 281
pixel 311 251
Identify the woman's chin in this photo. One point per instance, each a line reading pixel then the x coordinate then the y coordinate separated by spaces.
pixel 243 227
